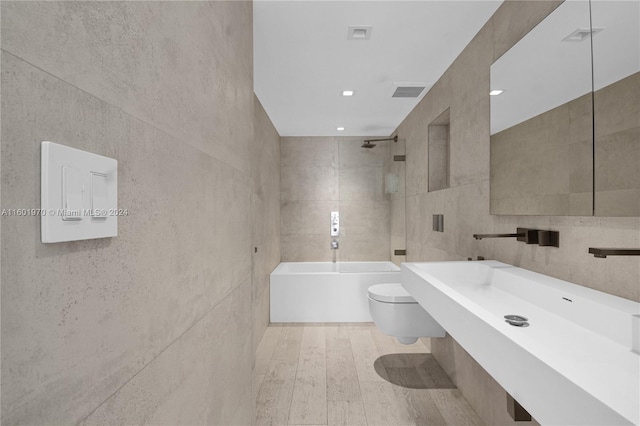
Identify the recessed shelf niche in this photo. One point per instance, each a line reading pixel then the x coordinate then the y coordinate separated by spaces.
pixel 438 138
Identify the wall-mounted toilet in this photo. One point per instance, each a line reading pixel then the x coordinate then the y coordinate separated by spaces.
pixel 396 313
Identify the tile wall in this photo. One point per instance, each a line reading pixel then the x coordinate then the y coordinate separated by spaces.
pixel 464 88
pixel 617 142
pixel 556 176
pixel 157 324
pixel 324 174
pixel 265 208
pixel 544 165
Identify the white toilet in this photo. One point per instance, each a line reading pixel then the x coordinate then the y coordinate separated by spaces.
pixel 396 313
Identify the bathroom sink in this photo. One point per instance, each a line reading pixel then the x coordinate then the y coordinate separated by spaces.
pixel 573 362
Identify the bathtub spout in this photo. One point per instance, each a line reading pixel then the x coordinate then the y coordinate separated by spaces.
pixel 481 236
pixel 528 236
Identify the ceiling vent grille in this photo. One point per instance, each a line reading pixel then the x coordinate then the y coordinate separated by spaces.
pixel 408 91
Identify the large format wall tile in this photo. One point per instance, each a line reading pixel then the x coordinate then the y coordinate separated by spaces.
pixel 537 164
pixel 362 183
pixel 82 319
pixel 176 67
pixel 365 218
pixel 202 379
pixel 514 20
pixel 469 155
pixel 166 278
pixel 617 130
pixel 464 89
pixel 318 183
pixel 265 171
pixel 322 175
pixel 469 213
pixel 265 209
pixel 417 176
pixel 309 151
pixel 307 217
pixel 352 154
pixel 307 248
pixel 617 107
pixel 365 248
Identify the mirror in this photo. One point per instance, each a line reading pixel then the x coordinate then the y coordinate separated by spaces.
pixel 541 122
pixel 565 131
pixel 616 79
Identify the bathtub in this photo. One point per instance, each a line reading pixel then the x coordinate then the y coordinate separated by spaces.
pixel 326 291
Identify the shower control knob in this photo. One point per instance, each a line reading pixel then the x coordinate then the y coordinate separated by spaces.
pixel 335 224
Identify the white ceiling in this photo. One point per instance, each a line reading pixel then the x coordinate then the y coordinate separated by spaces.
pixel 303 59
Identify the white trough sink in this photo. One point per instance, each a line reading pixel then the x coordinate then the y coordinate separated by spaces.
pixel 573 365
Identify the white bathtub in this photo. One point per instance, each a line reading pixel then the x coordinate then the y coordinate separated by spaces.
pixel 326 291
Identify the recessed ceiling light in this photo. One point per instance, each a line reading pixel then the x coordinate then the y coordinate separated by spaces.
pixel 339 129
pixel 348 92
pixel 495 92
pixel 581 34
pixel 361 32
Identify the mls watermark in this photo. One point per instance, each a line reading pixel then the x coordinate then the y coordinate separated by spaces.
pixel 65 212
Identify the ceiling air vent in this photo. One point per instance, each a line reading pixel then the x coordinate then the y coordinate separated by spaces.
pixel 407 91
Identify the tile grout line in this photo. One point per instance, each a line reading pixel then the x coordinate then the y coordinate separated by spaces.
pixel 160 353
pixel 127 113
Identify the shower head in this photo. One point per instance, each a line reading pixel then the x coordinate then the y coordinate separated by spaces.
pixel 367 143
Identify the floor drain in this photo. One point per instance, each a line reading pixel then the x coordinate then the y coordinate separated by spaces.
pixel 517 320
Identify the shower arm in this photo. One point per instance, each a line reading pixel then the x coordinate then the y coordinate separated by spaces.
pixel 395 139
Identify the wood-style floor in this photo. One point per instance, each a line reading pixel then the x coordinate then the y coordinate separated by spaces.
pixel 351 374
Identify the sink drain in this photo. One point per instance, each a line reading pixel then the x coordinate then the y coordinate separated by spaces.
pixel 517 320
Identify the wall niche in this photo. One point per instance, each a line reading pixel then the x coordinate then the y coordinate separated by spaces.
pixel 438 138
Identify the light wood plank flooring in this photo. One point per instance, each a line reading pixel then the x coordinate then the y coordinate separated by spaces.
pixel 351 374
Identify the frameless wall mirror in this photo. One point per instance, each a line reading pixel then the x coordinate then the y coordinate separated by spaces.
pixel 541 122
pixel 616 79
pixel 565 131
